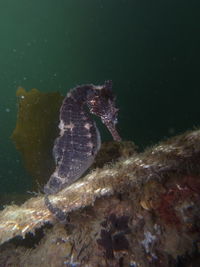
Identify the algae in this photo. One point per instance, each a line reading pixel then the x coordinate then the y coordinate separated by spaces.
pixel 142 210
pixel 35 131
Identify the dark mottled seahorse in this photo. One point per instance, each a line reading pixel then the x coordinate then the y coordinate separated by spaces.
pixel 79 141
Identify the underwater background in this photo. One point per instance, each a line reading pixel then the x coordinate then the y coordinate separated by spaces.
pixel 149 49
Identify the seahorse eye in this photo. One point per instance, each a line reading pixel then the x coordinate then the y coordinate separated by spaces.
pixel 92 102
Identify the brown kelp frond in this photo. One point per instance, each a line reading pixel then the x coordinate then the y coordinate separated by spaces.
pixel 36 130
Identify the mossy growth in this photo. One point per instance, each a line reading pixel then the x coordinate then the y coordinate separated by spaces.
pixel 36 130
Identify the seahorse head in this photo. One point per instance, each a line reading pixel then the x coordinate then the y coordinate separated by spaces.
pixel 101 102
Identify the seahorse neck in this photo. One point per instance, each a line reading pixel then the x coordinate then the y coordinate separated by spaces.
pixel 80 93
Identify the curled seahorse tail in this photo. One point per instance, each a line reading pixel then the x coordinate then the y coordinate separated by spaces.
pixel 58 213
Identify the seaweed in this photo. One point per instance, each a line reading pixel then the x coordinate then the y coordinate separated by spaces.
pixel 36 130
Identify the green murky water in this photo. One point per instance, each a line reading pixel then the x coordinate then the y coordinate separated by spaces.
pixel 150 49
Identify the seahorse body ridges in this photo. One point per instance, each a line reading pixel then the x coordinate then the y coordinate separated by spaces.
pixel 79 140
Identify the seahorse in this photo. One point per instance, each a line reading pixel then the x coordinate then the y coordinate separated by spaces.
pixel 79 141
